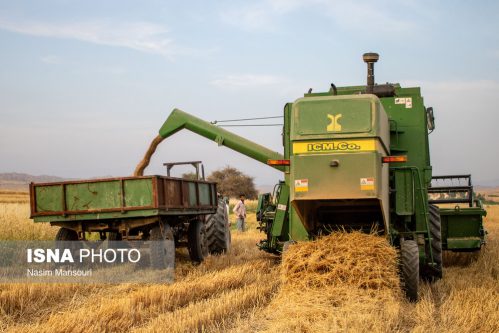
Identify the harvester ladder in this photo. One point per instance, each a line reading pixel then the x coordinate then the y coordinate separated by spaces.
pixel 420 188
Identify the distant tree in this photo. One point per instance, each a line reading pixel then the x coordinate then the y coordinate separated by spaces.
pixel 189 175
pixel 232 182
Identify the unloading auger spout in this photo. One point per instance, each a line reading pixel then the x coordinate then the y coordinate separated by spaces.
pixel 179 120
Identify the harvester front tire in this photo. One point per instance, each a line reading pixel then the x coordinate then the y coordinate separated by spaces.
pixel 409 254
pixel 218 237
pixel 162 247
pixel 65 234
pixel 436 240
pixel 196 241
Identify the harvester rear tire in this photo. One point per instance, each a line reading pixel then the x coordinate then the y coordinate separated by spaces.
pixel 436 240
pixel 196 241
pixel 65 234
pixel 218 237
pixel 409 254
pixel 162 247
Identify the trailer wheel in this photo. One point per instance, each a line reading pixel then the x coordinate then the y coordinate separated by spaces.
pixel 196 240
pixel 65 234
pixel 162 247
pixel 436 241
pixel 409 254
pixel 218 235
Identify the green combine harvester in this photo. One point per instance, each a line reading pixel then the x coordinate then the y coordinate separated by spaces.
pixel 355 158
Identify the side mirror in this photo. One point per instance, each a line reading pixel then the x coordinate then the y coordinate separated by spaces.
pixel 430 118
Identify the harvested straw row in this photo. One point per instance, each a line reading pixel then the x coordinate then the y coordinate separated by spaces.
pixel 214 314
pixel 127 310
pixel 28 304
pixel 354 259
pixel 344 282
pixel 20 301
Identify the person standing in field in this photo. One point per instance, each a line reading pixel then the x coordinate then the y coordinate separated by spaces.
pixel 240 212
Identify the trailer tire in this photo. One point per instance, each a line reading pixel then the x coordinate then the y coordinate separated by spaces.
pixel 65 234
pixel 162 248
pixel 409 254
pixel 436 240
pixel 218 235
pixel 196 240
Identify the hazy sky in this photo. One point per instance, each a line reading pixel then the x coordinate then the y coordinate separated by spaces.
pixel 85 85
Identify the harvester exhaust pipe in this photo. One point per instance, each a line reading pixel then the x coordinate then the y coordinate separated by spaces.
pixel 370 58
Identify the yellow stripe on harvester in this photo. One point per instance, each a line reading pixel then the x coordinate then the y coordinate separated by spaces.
pixel 334 146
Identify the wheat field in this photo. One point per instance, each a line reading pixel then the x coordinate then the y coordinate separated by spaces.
pixel 248 290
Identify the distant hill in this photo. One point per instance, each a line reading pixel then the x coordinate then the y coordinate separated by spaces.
pixel 26 178
pixel 20 181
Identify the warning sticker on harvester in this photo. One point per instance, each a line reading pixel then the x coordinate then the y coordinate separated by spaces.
pixel 367 184
pixel 281 207
pixel 407 101
pixel 301 185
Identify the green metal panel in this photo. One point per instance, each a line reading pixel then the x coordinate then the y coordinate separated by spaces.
pixel 357 116
pixel 468 243
pixel 462 228
pixel 281 212
pixel 49 198
pixel 72 200
pixel 96 195
pixel 404 192
pixel 326 116
pixel 138 192
pixel 341 182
